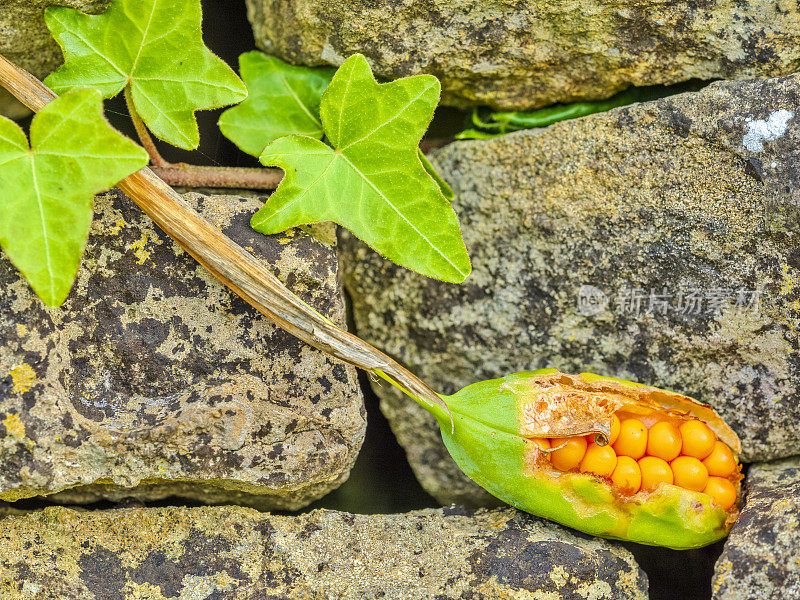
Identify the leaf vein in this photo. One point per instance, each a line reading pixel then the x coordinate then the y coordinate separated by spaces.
pixel 63 121
pixel 97 51
pixel 402 216
pixel 192 81
pixel 296 98
pixel 165 115
pixel 305 191
pixel 44 229
pixel 385 123
pixel 144 36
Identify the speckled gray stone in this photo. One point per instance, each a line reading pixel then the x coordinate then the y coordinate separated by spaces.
pixel 761 558
pixel 25 40
pixel 528 53
pixel 153 379
pixel 234 553
pixel 696 192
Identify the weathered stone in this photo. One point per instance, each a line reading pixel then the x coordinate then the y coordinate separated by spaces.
pixel 696 192
pixel 520 55
pixel 760 558
pixel 234 553
pixel 153 379
pixel 25 40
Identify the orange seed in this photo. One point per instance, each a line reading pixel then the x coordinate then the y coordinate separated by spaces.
pixel 721 491
pixel 721 461
pixel 600 460
pixel 655 471
pixel 632 440
pixel 543 443
pixel 664 441
pixel 570 456
pixel 690 473
pixel 627 476
pixel 698 439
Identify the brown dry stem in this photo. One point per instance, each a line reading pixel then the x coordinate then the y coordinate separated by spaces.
pixel 194 176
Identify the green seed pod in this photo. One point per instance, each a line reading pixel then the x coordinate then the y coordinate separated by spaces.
pixel 490 438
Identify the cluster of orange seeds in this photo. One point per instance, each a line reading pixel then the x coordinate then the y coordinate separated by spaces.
pixel 642 454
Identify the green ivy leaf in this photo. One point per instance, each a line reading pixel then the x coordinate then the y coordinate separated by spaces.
pixel 282 99
pixel 156 48
pixel 372 181
pixel 47 188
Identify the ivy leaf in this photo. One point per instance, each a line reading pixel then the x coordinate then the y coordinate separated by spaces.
pixel 47 188
pixel 156 48
pixel 372 181
pixel 282 99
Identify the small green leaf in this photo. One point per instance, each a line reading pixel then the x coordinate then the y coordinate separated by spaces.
pixel 47 189
pixel 155 47
pixel 282 99
pixel 476 134
pixel 444 187
pixel 372 181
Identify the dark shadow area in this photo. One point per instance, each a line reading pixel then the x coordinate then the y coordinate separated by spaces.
pixel 381 481
pixel 677 574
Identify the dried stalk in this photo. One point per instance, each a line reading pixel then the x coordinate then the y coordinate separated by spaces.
pixel 235 267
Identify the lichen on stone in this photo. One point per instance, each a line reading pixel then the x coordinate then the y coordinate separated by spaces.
pixel 25 40
pixel 526 54
pixel 153 379
pixel 234 553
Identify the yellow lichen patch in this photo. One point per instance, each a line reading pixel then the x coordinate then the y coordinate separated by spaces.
pixel 22 331
pixel 138 248
pixel 789 281
pixel 14 426
pixel 287 236
pixel 23 377
pixel 559 576
pixel 118 225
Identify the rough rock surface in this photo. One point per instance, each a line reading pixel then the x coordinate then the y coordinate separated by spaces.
pixel 519 55
pixel 760 559
pixel 695 196
pixel 233 553
pixel 154 376
pixel 25 40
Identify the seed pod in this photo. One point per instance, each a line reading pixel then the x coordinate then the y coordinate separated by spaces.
pixel 491 438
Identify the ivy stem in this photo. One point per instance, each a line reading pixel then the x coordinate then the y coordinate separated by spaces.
pixel 236 268
pixel 156 159
pixel 195 176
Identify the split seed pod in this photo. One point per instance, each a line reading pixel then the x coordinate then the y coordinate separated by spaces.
pixel 495 434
